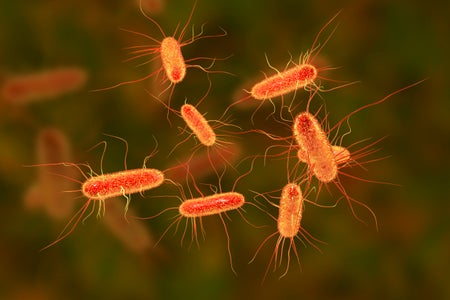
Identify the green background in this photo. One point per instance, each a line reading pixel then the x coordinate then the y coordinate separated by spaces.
pixel 384 45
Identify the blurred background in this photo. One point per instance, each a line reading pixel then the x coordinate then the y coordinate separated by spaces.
pixel 381 45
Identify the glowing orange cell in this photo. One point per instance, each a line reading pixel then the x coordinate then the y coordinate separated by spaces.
pixel 211 205
pixel 122 183
pixel 290 212
pixel 314 142
pixel 172 60
pixel 301 75
pixel 305 74
pixel 193 209
pixel 285 82
pixel 24 89
pixel 168 52
pixel 197 208
pixel 218 145
pixel 325 162
pixel 198 124
pixel 98 188
pixel 103 187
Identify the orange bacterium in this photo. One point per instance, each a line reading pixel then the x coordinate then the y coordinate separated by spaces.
pixel 168 51
pixel 348 158
pixel 211 205
pixel 217 204
pixel 28 88
pixel 102 187
pixel 198 124
pixel 284 82
pixel 192 209
pixel 314 142
pixel 121 183
pixel 324 161
pixel 98 188
pixel 313 146
pixel 304 74
pixel 209 134
pixel 290 213
pixel 52 145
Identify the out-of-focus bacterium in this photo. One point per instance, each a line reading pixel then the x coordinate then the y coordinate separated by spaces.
pixel 44 85
pixel 199 165
pixel 133 234
pixel 153 7
pixel 52 145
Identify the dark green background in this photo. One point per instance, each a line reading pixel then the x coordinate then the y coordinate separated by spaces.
pixel 383 44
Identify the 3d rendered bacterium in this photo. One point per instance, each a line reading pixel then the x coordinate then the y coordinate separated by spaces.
pixel 314 157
